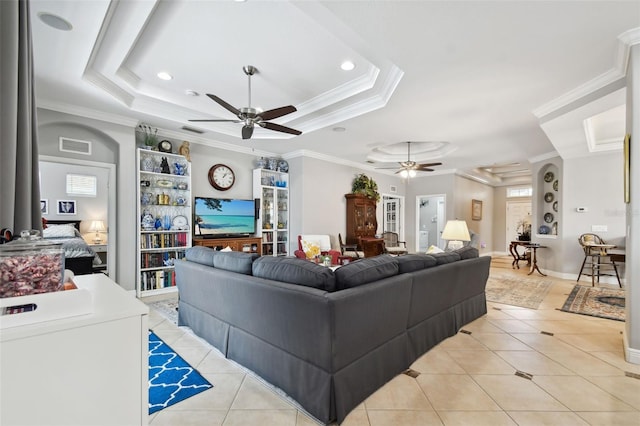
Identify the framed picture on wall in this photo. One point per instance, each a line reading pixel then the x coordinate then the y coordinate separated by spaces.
pixel 476 210
pixel 44 206
pixel 67 207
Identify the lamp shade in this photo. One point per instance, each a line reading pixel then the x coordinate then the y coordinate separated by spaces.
pixel 456 230
pixel 97 226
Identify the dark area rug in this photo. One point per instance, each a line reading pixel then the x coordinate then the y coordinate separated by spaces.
pixel 171 378
pixel 596 302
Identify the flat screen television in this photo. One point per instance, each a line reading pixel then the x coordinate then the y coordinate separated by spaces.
pixel 223 217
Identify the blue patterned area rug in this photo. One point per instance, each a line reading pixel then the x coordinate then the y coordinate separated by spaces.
pixel 171 379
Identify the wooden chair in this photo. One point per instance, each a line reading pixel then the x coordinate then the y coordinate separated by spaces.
pixel 350 250
pixel 596 258
pixel 392 245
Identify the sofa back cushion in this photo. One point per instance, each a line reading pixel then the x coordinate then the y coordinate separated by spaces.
pixel 415 262
pixel 235 261
pixel 367 270
pixel 200 254
pixel 446 257
pixel 295 271
pixel 467 252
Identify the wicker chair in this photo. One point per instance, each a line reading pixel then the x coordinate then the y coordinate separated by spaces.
pixel 392 245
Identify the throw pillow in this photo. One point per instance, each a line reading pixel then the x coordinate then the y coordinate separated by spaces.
pixel 310 249
pixel 415 262
pixel 294 271
pixel 367 270
pixel 467 252
pixel 446 257
pixel 434 249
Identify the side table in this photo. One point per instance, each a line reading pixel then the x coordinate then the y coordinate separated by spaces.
pixel 534 258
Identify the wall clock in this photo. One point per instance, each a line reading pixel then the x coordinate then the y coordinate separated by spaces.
pixel 221 177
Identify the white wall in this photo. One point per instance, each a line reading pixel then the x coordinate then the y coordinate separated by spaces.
pixel 466 190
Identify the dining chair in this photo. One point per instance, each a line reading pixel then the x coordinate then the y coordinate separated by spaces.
pixel 350 250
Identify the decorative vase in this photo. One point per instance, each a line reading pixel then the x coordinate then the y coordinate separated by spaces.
pixel 147 164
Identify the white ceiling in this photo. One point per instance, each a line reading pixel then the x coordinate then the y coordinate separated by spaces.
pixel 490 83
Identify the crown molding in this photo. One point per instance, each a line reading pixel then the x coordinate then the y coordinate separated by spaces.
pixel 619 70
pixel 543 157
pixel 87 113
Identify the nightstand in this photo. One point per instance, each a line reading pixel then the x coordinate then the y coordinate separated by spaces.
pixel 101 251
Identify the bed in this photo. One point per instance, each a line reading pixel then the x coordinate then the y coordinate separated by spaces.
pixel 79 257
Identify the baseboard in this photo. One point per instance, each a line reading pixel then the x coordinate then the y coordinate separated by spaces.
pixel 630 354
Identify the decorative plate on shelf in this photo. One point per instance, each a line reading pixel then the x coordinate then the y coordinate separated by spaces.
pixel 164 183
pixel 555 206
pixel 548 197
pixel 555 185
pixel 544 229
pixel 548 177
pixel 180 222
pixel 554 228
pixel 283 166
pixel 548 217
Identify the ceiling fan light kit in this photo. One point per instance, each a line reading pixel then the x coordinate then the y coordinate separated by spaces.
pixel 410 168
pixel 250 116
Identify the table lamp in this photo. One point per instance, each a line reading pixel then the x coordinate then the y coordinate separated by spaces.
pixel 97 226
pixel 455 232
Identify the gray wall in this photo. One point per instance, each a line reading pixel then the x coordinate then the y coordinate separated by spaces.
pixel 466 190
pixel 632 310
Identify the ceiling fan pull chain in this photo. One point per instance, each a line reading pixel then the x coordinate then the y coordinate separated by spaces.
pixel 249 77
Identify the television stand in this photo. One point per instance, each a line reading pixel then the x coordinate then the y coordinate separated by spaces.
pixel 243 244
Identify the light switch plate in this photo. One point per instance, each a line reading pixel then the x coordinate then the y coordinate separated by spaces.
pixel 598 228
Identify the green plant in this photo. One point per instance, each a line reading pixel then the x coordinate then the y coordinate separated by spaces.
pixel 363 184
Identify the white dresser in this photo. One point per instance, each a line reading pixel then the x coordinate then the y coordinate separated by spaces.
pixel 89 369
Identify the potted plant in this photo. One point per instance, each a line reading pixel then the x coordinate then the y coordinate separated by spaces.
pixel 150 135
pixel 363 184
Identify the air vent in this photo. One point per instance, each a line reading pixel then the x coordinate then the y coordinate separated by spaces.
pixel 75 145
pixel 191 129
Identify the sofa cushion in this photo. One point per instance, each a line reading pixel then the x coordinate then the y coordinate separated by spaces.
pixel 295 271
pixel 200 254
pixel 467 252
pixel 446 257
pixel 235 261
pixel 364 271
pixel 415 262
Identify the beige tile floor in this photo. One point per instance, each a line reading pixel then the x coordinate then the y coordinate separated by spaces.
pixel 469 379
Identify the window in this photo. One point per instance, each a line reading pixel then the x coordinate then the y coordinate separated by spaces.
pixel 82 185
pixel 522 191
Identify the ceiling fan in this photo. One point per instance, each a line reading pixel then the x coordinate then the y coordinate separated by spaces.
pixel 409 168
pixel 250 116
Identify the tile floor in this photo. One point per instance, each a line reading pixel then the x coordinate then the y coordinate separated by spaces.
pixel 469 379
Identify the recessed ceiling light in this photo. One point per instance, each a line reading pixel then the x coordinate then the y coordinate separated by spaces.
pixel 338 129
pixel 347 65
pixel 191 93
pixel 164 76
pixel 54 21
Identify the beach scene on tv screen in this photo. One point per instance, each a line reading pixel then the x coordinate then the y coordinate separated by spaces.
pixel 225 217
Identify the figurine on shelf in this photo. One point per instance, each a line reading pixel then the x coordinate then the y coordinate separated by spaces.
pixel 179 169
pixel 185 150
pixel 164 166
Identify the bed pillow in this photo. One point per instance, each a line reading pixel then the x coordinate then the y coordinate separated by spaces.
pixel 59 231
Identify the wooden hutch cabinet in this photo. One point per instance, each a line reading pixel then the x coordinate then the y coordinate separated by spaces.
pixel 361 218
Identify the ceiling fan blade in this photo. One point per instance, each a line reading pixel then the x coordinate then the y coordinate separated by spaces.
pixel 279 128
pixel 277 112
pixel 386 168
pixel 225 105
pixel 216 120
pixel 429 164
pixel 247 131
pixel 424 169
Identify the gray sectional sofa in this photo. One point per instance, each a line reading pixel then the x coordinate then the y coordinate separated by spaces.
pixel 329 339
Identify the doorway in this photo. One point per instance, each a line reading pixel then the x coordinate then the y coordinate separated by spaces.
pixel 430 220
pixel 518 212
pixel 393 215
pixel 100 207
